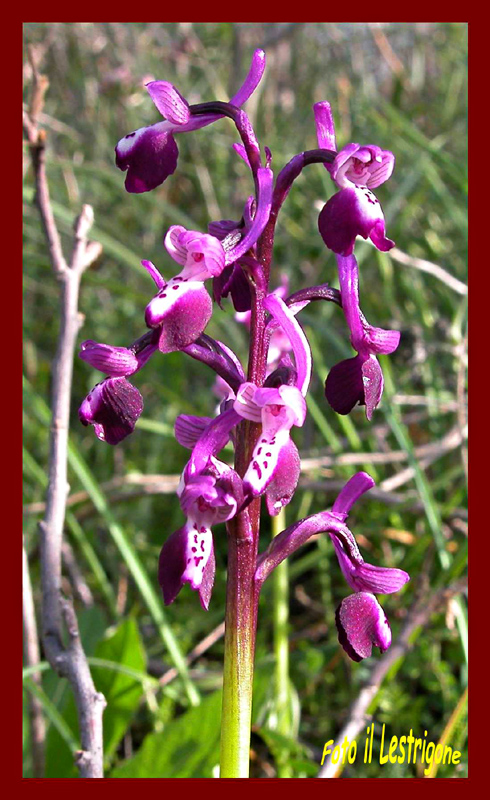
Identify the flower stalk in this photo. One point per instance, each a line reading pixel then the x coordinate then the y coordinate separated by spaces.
pixel 260 406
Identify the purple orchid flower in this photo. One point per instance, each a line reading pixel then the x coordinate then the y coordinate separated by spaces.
pixel 114 405
pixel 210 492
pixel 149 154
pixel 277 410
pixel 354 210
pixel 182 308
pixel 358 379
pixel 360 620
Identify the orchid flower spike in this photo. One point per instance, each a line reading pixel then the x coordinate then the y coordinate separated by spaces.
pixel 354 210
pixel 149 154
pixel 359 379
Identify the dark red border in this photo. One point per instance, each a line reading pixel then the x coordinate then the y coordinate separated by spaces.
pixel 12 310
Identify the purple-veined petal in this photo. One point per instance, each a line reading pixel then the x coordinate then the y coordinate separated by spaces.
pixel 380 171
pixel 204 501
pixel 149 155
pixel 285 479
pixel 201 255
pixel 344 387
pixel 169 102
pixel 173 244
pixel 220 229
pixel 183 559
pixel 112 407
pixel 181 310
pixel 355 487
pixel 362 165
pixel 293 330
pixel 214 437
pixel 364 577
pixel 325 127
pixel 381 340
pixel 113 361
pixel 362 623
pixel 264 178
pixel 372 381
pixel 351 212
pixel 245 404
pixel 188 429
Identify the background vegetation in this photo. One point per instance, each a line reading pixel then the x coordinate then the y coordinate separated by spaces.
pixel 402 86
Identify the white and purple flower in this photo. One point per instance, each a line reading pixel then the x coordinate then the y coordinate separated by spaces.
pixel 354 210
pixel 149 155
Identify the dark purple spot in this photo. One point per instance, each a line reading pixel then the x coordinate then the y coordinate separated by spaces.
pixel 195 535
pixel 257 469
pixel 265 464
pixel 203 530
pixel 259 451
pixel 197 559
pixel 175 287
pixel 194 549
pixel 130 135
pixel 269 455
pixel 202 545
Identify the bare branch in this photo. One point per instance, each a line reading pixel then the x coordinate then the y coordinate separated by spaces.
pixel 31 658
pixel 427 266
pixel 58 615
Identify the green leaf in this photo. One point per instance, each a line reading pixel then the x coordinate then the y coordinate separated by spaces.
pixel 121 690
pixel 187 748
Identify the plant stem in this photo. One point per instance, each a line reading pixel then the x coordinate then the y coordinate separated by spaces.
pixel 240 628
pixel 280 623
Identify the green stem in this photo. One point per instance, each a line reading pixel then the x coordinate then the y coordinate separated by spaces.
pixel 240 627
pixel 281 644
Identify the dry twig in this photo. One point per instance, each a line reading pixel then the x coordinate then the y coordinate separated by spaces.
pixel 58 615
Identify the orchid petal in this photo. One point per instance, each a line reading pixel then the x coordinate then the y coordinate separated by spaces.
pixel 182 310
pixel 285 479
pixel 112 407
pixel 291 327
pixel 351 212
pixel 169 102
pixel 188 429
pixel 149 155
pixel 325 127
pixel 113 361
pixel 362 623
pixel 355 487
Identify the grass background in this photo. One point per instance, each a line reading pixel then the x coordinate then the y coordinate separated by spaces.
pixel 402 86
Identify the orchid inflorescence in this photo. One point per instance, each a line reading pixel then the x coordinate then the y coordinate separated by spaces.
pixel 258 410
